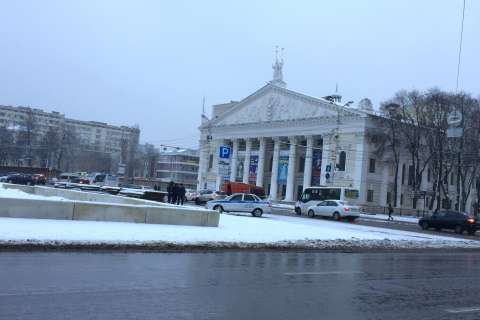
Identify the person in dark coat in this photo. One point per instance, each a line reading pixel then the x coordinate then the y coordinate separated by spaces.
pixel 170 192
pixel 181 194
pixel 390 212
pixel 175 193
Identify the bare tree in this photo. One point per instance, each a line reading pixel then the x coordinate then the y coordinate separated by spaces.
pixel 7 145
pixel 26 136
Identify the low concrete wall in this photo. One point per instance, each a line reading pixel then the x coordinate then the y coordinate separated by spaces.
pixel 107 212
pixel 37 209
pixel 182 216
pixel 92 206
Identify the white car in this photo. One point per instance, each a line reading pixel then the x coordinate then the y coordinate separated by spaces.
pixel 241 202
pixel 191 195
pixel 335 209
pixel 135 191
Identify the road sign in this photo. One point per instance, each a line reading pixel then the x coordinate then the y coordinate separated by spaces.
pixel 328 168
pixel 224 152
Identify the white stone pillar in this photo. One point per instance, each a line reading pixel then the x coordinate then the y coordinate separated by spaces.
pixel 325 160
pixel 203 164
pixel 246 162
pixel 307 172
pixel 384 185
pixel 274 178
pixel 233 161
pixel 399 185
pixel 216 167
pixel 261 162
pixel 292 157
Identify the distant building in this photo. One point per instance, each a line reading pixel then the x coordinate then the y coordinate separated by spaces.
pixel 91 136
pixel 179 166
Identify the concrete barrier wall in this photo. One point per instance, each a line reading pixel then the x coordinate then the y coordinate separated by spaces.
pixel 79 195
pixel 105 212
pixel 140 212
pixel 37 209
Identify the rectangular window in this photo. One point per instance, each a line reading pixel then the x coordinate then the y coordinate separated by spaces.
pixel 369 195
pixel 301 165
pixel 452 179
pixel 429 175
pixel 210 162
pixel 401 199
pixel 410 175
pixel 371 167
pixel 403 174
pixel 389 197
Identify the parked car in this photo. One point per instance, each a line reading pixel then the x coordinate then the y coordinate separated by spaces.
pixel 20 178
pixel 241 202
pixel 217 195
pixel 3 178
pixel 449 219
pixel 39 179
pixel 204 196
pixel 336 209
pixel 132 190
pixel 190 194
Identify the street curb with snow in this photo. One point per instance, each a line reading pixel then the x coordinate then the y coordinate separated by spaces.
pixel 353 245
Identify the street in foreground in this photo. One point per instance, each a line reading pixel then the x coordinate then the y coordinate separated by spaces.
pixel 240 285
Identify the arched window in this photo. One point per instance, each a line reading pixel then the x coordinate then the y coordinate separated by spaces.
pixel 342 161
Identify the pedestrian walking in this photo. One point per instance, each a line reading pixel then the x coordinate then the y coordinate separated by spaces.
pixel 170 192
pixel 181 194
pixel 175 193
pixel 390 212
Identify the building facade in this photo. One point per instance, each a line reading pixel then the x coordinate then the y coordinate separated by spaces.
pixel 286 141
pixel 91 136
pixel 179 166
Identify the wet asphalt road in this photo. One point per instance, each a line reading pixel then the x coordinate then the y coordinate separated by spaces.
pixel 240 285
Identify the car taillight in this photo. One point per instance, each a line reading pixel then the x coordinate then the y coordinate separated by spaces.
pixel 347 209
pixel 471 220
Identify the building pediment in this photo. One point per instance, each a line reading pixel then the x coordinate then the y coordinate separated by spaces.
pixel 272 103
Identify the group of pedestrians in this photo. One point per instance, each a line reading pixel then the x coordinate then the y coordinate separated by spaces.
pixel 176 193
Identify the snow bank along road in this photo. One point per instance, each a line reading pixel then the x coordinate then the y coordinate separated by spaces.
pixel 234 231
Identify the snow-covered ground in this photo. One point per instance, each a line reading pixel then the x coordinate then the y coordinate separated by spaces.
pixel 15 193
pixel 384 217
pixel 233 231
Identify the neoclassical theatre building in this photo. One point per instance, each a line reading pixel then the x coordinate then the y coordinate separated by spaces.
pixel 286 141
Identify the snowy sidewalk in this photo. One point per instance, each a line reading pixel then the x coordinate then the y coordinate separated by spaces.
pixel 384 217
pixel 235 231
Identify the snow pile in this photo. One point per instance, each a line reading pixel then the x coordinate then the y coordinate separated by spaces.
pixel 384 217
pixel 18 194
pixel 233 232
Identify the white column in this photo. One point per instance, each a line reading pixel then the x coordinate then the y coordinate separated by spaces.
pixel 292 157
pixel 246 162
pixel 384 185
pixel 325 160
pixel 261 162
pixel 307 172
pixel 273 179
pixel 203 164
pixel 216 167
pixel 399 184
pixel 233 161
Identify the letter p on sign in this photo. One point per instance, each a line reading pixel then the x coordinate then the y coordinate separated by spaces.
pixel 224 152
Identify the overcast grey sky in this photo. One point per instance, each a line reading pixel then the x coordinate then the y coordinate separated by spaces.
pixel 151 62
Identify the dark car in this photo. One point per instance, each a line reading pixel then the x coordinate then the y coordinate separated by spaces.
pixel 20 178
pixel 39 179
pixel 452 220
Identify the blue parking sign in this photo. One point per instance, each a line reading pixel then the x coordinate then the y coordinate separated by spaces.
pixel 224 152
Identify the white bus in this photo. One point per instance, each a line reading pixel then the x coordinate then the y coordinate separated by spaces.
pixel 314 195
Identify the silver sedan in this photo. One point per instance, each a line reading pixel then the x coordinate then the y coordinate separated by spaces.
pixel 241 202
pixel 335 209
